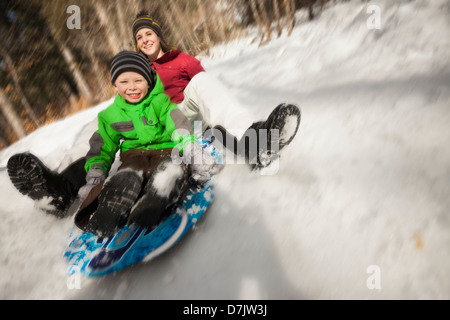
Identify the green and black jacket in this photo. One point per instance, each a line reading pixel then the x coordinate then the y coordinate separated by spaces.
pixel 154 123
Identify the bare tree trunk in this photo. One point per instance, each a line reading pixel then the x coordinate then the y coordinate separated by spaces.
pixel 223 20
pixel 262 20
pixel 13 118
pixel 180 22
pixel 3 142
pixel 229 18
pixel 204 25
pixel 78 77
pixel 265 19
pixel 110 33
pixel 76 73
pixel 18 87
pixel 290 10
pixel 72 99
pixel 257 18
pixel 276 9
pixel 122 27
pixel 102 84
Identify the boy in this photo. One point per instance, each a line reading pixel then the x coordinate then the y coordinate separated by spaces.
pixel 148 129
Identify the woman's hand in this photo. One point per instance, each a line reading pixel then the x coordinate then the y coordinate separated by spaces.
pixel 203 165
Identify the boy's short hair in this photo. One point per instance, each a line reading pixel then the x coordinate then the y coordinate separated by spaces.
pixel 132 61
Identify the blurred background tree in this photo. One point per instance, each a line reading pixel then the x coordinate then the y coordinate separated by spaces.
pixel 48 71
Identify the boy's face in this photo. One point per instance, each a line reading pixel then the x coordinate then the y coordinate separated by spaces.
pixel 131 86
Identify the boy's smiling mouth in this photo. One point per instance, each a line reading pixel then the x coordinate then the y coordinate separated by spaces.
pixel 134 95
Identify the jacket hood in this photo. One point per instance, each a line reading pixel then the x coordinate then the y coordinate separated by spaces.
pixel 168 56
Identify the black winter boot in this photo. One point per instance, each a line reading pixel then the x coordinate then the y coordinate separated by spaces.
pixel 225 138
pixel 118 195
pixel 263 141
pixel 165 190
pixel 33 179
pixel 285 120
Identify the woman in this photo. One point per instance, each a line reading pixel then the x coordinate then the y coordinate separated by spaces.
pixel 203 100
pixel 175 68
pixel 201 97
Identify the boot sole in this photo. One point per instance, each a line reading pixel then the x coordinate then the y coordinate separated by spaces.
pixel 27 175
pixel 287 118
pixel 31 178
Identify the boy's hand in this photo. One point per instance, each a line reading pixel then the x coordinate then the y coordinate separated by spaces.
pixel 93 178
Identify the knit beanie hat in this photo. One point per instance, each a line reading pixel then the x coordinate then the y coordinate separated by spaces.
pixel 132 61
pixel 143 20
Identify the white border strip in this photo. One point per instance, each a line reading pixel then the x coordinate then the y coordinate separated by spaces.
pixel 165 246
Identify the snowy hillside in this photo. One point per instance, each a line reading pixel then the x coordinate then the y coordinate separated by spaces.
pixel 360 207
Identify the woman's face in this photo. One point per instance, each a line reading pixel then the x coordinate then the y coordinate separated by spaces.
pixel 149 43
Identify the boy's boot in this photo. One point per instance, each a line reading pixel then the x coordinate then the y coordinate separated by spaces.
pixel 118 195
pixel 163 192
pixel 33 179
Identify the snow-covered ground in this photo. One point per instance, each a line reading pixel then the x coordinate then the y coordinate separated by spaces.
pixel 360 206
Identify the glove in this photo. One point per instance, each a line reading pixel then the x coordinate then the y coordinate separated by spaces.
pixel 203 165
pixel 93 178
